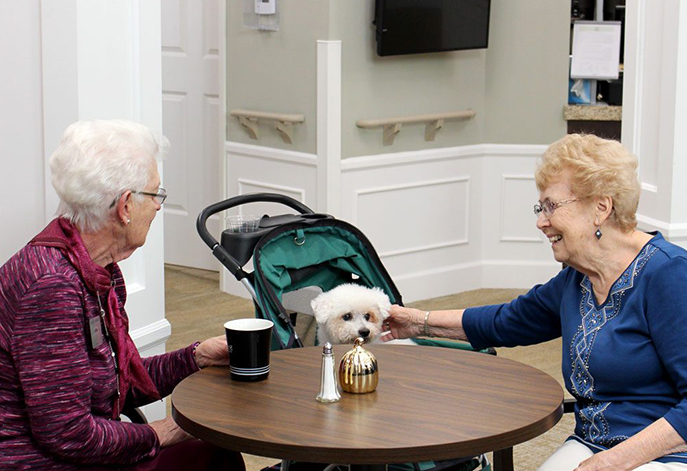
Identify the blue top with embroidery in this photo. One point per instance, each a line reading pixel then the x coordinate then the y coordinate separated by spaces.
pixel 625 361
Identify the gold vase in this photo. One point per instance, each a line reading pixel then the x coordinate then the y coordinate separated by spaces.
pixel 358 372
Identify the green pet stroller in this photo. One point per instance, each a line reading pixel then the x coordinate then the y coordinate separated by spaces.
pixel 295 257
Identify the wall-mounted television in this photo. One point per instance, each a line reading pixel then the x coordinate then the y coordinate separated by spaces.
pixel 420 26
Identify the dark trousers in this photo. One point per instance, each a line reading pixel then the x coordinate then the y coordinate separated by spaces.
pixel 185 456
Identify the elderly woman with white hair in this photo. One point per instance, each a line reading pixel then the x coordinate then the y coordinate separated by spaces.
pixel 620 307
pixel 68 366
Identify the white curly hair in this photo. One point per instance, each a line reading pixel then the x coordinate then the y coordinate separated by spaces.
pixel 95 162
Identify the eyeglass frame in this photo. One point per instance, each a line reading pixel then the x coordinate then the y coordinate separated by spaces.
pixel 161 195
pixel 541 207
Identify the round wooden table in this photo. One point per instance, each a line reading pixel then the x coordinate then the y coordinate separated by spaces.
pixel 431 404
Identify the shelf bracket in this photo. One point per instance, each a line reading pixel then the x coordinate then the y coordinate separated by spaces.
pixel 285 129
pixel 250 125
pixel 432 122
pixel 284 122
pixel 390 131
pixel 431 129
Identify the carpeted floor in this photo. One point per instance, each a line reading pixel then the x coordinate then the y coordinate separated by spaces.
pixel 197 309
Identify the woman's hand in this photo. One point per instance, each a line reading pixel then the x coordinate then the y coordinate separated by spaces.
pixel 604 461
pixel 598 462
pixel 403 322
pixel 168 432
pixel 656 440
pixel 213 352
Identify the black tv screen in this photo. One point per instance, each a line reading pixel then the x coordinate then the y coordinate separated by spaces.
pixel 419 26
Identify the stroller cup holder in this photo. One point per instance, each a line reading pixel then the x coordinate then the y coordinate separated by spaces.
pixel 221 251
pixel 240 245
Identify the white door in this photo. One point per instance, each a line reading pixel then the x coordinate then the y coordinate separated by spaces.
pixel 190 116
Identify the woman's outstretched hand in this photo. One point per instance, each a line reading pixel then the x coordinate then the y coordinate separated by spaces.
pixel 403 323
pixel 213 352
pixel 168 432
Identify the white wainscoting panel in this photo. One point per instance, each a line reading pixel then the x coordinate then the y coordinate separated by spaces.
pixel 518 236
pixel 515 253
pixel 252 186
pixel 420 211
pixel 371 210
pixel 522 274
pixel 510 226
pixel 516 215
pixel 452 219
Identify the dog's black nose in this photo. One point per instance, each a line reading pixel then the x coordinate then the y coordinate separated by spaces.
pixel 364 332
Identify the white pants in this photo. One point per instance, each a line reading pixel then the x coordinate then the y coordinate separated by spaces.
pixel 572 452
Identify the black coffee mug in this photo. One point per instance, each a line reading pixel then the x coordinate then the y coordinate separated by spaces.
pixel 249 342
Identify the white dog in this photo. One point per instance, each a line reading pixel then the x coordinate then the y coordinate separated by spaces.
pixel 350 311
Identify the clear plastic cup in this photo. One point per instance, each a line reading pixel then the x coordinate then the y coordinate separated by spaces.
pixel 243 223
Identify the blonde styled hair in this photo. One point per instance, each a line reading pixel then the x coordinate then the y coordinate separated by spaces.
pixel 597 167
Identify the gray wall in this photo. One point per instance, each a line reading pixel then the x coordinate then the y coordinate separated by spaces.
pixel 527 71
pixel 517 86
pixel 385 87
pixel 276 71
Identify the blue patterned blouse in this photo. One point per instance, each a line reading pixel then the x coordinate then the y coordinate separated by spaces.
pixel 624 361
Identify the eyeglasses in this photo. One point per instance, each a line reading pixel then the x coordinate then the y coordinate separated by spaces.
pixel 548 207
pixel 159 197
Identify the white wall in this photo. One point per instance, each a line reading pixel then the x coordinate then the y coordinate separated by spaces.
pixel 21 125
pixel 654 111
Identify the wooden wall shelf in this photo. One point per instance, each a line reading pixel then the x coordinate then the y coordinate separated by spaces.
pixel 433 122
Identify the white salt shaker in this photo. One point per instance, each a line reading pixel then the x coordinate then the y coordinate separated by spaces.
pixel 329 388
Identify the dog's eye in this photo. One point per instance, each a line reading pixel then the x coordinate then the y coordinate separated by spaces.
pixel 347 316
pixel 367 316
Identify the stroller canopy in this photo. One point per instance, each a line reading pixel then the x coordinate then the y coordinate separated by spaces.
pixel 323 253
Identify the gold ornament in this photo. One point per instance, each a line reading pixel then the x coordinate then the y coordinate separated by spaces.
pixel 358 372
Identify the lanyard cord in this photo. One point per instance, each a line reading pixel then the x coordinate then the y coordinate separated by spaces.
pixel 114 355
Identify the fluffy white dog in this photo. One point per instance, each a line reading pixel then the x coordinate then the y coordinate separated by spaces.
pixel 350 311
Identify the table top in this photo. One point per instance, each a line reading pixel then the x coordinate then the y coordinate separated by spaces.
pixel 431 404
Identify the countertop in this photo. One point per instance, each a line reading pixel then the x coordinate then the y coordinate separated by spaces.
pixel 592 113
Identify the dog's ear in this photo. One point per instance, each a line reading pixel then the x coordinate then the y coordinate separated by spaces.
pixel 321 307
pixel 383 303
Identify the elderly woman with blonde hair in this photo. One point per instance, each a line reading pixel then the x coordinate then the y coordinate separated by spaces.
pixel 68 366
pixel 620 307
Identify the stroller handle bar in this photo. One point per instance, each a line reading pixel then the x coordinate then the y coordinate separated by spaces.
pixel 218 251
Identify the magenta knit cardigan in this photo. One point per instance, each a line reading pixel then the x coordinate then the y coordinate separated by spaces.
pixel 56 392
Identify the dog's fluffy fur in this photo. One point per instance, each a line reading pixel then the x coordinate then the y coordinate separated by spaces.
pixel 350 311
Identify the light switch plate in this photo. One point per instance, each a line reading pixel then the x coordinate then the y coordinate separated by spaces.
pixel 265 7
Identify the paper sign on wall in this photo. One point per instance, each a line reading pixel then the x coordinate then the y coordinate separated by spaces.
pixel 596 50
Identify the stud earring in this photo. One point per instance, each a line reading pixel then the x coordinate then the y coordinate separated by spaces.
pixel 598 233
pixel 128 221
